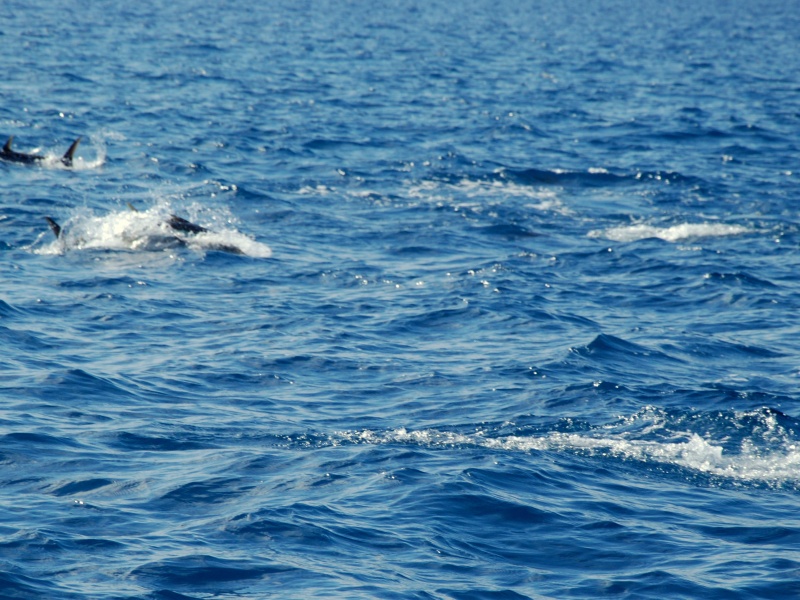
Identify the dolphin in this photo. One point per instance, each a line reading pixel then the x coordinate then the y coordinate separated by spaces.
pixel 180 224
pixel 20 157
pixel 174 222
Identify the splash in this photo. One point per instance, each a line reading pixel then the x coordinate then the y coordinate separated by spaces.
pixel 80 162
pixel 147 231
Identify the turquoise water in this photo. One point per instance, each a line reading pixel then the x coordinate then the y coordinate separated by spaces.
pixel 495 300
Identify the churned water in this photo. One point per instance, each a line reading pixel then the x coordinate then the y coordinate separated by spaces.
pixel 471 300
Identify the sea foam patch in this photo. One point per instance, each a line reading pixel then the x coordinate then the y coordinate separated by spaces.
pixel 675 233
pixel 472 193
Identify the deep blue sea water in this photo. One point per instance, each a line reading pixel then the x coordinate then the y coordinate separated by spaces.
pixel 497 300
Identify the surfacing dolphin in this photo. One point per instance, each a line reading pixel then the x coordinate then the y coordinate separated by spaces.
pixel 176 224
pixel 21 157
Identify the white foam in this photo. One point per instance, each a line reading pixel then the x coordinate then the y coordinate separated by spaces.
pixel 543 199
pixel 229 239
pixel 675 233
pixel 689 451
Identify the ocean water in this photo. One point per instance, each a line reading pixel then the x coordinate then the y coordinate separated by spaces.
pixel 494 300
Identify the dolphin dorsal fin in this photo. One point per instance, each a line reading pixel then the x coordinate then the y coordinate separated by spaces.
pixel 54 227
pixel 67 158
pixel 7 147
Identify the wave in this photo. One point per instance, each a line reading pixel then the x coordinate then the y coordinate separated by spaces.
pixel 597 177
pixel 199 571
pixel 594 177
pixel 7 310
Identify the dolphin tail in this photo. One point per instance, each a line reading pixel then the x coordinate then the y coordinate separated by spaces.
pixel 54 227
pixel 7 147
pixel 67 158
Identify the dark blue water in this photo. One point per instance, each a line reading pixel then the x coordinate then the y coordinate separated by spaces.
pixel 496 300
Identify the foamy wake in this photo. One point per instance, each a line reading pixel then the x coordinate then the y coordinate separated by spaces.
pixel 675 233
pixel 691 452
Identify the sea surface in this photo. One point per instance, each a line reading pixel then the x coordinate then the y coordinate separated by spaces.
pixel 492 300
